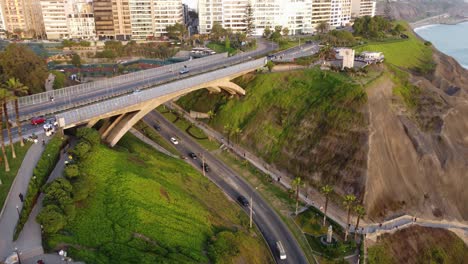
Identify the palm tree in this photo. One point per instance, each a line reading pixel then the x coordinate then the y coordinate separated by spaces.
pixel 297 182
pixel 237 131
pixel 228 131
pixel 323 27
pixel 5 97
pixel 360 212
pixel 326 190
pixel 2 139
pixel 348 203
pixel 18 89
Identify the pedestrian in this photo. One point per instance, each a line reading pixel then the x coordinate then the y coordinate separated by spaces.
pixel 43 142
pixel 279 178
pixel 21 197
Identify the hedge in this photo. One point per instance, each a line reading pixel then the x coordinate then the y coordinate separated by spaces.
pixel 44 167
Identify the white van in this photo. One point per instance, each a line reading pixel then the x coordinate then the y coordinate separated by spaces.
pixel 282 253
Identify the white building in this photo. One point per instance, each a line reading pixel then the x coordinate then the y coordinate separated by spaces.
pixel 166 13
pixel 2 23
pixel 296 15
pixel 141 19
pixel 81 20
pixel 363 8
pixel 340 13
pixel 54 14
pixel 348 57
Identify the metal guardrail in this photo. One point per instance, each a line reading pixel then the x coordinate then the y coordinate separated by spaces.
pixel 95 110
pixel 110 82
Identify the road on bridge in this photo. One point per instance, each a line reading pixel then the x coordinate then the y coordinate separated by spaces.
pixel 269 223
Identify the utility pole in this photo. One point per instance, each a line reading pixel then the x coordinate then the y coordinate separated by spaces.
pixel 18 255
pixel 251 209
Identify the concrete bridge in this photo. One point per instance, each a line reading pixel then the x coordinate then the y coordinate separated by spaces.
pixel 121 113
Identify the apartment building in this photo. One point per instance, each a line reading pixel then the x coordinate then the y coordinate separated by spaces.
pixel 104 19
pixel 165 13
pixel 141 19
pixel 340 13
pixel 321 12
pixel 22 18
pixel 363 8
pixel 2 23
pixel 54 14
pixel 81 20
pixel 121 18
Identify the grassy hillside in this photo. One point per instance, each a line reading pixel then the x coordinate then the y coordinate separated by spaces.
pixel 149 208
pixel 308 122
pixel 418 245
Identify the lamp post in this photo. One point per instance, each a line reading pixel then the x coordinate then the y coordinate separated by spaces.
pixel 251 207
pixel 17 210
pixel 18 252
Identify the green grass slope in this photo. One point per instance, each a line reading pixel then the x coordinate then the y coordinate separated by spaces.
pixel 308 122
pixel 149 208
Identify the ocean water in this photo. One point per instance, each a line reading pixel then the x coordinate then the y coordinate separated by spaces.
pixel 450 39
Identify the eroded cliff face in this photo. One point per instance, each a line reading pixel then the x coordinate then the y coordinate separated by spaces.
pixel 414 10
pixel 418 159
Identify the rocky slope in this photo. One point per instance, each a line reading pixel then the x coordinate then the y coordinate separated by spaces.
pixel 418 158
pixel 414 10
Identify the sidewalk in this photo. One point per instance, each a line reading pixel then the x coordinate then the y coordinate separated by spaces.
pixel 9 216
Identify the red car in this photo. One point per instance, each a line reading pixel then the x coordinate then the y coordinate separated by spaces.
pixel 38 120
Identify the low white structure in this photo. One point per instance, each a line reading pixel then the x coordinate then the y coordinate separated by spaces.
pixel 372 56
pixel 348 57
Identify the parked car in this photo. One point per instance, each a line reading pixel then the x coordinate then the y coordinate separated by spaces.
pixel 174 141
pixel 37 120
pixel 206 167
pixel 193 155
pixel 243 201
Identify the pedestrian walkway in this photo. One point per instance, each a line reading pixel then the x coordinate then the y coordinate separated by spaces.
pixel 150 142
pixel 334 212
pixel 10 213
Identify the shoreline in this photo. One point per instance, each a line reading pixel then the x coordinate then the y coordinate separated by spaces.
pixel 442 19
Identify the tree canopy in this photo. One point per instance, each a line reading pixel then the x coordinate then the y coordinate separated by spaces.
pixel 19 61
pixel 371 27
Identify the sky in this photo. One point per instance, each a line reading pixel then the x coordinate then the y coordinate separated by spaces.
pixel 191 3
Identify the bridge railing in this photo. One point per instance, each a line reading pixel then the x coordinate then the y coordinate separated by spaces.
pixel 110 82
pixel 85 113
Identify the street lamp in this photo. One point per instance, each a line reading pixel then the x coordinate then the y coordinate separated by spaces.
pixel 251 206
pixel 17 210
pixel 18 252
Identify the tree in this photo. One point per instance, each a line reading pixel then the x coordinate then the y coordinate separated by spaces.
pixel 326 190
pixel 71 171
pixel 228 130
pixel 285 31
pixel 249 21
pixel 81 150
pixel 297 182
pixel 177 31
pixel 267 32
pixel 18 32
pixel 349 204
pixel 51 218
pixel 322 27
pixel 2 139
pixel 5 97
pixel 217 31
pixel 227 43
pixel 17 89
pixel 81 189
pixel 19 61
pixel 360 212
pixel 398 29
pixel 270 65
pixel 327 53
pixel 237 131
pixel 278 29
pixel 76 60
pixel 90 135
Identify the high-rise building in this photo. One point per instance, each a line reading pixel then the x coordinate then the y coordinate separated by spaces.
pixel 141 19
pixel 2 23
pixel 321 12
pixel 296 15
pixel 54 14
pixel 23 18
pixel 340 13
pixel 362 8
pixel 81 20
pixel 103 18
pixel 121 17
pixel 165 13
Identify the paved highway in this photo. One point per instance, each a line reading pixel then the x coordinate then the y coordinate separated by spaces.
pixel 269 223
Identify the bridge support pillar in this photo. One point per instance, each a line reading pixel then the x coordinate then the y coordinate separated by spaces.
pixel 109 128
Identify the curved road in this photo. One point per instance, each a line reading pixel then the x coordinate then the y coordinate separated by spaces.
pixel 269 223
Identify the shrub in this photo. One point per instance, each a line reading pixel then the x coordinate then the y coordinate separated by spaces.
pixel 51 219
pixel 44 167
pixel 59 81
pixel 58 193
pixel 90 135
pixel 71 171
pixel 222 246
pixel 81 189
pixel 81 150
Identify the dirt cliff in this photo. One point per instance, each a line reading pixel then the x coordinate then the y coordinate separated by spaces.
pixel 414 10
pixel 418 159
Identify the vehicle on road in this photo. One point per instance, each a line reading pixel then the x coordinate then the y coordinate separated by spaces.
pixel 174 141
pixel 157 127
pixel 281 251
pixel 242 200
pixel 193 155
pixel 205 167
pixel 184 70
pixel 52 121
pixel 37 120
pixel 136 91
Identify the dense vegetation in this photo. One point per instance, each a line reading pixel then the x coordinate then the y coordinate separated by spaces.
pixel 287 118
pixel 44 167
pixel 19 61
pixel 115 49
pixel 418 245
pixel 145 207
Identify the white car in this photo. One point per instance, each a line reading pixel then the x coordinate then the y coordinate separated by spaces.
pixel 174 141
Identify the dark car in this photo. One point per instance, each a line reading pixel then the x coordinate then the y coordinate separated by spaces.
pixel 193 155
pixel 243 201
pixel 157 127
pixel 37 120
pixel 206 167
